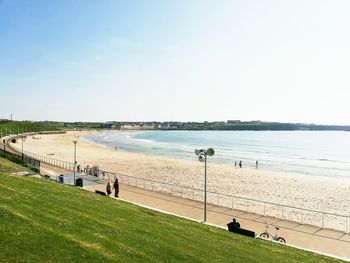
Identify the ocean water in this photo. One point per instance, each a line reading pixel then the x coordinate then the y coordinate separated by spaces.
pixel 321 153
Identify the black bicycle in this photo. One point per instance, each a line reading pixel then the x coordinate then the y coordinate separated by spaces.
pixel 275 237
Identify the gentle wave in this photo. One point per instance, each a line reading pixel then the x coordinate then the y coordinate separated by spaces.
pixel 300 152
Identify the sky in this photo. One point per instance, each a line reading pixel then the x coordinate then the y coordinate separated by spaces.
pixel 183 60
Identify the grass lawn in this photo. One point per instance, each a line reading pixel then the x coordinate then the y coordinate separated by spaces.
pixel 43 221
pixel 13 127
pixel 7 166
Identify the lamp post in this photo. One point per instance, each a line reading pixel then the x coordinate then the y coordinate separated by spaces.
pixel 23 137
pixel 202 157
pixel 75 141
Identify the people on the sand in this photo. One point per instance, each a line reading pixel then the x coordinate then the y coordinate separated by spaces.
pixel 235 164
pixel 240 164
pixel 108 189
pixel 116 188
pixel 256 164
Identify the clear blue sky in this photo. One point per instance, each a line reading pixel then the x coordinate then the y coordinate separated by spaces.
pixel 175 60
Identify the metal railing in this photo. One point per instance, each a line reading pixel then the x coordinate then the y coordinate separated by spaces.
pixel 245 205
pixel 18 158
pixel 52 161
pixel 29 157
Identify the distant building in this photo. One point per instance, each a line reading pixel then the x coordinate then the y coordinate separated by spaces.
pixel 233 121
pixel 140 126
pixel 107 126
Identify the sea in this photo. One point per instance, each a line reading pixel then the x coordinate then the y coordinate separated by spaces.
pixel 313 153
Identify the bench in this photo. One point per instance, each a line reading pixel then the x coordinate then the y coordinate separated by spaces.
pixel 242 231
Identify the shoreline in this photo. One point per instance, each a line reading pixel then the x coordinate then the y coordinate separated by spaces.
pixel 313 165
pixel 298 190
pixel 251 168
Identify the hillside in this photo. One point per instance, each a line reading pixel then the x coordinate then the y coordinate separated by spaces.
pixel 16 127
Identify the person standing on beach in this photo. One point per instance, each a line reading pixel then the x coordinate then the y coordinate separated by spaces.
pixel 256 164
pixel 240 164
pixel 235 164
pixel 116 188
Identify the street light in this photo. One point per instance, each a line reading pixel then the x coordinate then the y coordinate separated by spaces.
pixel 75 141
pixel 202 157
pixel 23 138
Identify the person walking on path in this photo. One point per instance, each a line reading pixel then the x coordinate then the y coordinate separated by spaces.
pixel 108 189
pixel 116 188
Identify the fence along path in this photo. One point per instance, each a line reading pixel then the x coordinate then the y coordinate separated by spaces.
pixel 300 215
pixel 284 212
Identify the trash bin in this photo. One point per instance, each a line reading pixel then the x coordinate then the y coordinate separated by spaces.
pixel 61 179
pixel 79 182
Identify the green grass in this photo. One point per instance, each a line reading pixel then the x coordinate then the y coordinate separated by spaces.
pixel 7 166
pixel 43 221
pixel 16 127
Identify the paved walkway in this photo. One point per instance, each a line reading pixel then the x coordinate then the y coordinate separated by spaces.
pixel 304 236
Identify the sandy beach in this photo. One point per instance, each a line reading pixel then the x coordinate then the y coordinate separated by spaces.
pixel 309 192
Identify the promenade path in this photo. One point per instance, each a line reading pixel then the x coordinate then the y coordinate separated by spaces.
pixel 309 237
pixel 325 241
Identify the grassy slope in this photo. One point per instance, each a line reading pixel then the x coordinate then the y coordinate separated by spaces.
pixel 25 126
pixel 7 166
pixel 42 221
